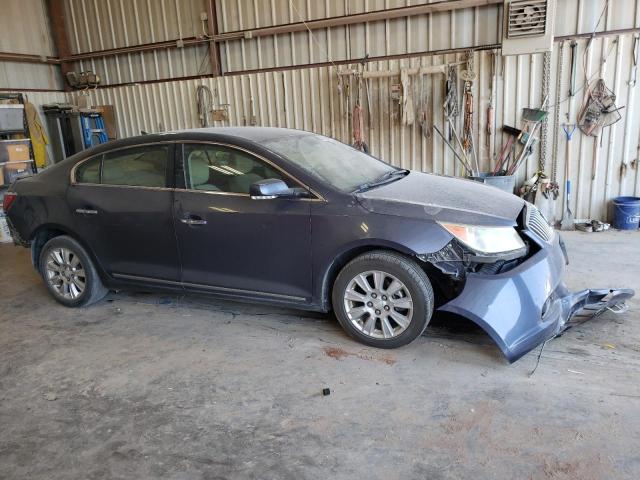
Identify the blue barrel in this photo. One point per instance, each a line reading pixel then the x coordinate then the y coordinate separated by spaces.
pixel 626 213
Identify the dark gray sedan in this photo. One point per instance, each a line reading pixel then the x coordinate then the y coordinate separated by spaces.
pixel 294 218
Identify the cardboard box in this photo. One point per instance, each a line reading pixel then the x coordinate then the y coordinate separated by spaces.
pixel 15 153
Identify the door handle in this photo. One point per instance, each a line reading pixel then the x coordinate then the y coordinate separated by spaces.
pixel 86 211
pixel 193 221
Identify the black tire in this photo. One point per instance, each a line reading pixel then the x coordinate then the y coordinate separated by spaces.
pixel 406 271
pixel 93 291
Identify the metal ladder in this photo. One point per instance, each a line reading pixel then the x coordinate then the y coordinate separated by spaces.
pixel 93 131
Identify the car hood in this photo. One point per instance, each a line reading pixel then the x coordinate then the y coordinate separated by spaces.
pixel 448 199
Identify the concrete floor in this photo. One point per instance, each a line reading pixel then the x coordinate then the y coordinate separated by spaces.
pixel 152 386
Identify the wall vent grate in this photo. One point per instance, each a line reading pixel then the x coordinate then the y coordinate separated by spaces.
pixel 527 18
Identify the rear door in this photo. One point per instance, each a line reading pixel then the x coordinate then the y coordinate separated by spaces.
pixel 231 243
pixel 122 206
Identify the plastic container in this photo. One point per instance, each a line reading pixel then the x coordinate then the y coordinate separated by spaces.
pixel 506 182
pixel 626 213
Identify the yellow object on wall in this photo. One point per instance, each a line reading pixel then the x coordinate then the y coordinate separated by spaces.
pixel 39 140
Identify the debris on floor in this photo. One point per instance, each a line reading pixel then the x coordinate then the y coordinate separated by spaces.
pixel 592 226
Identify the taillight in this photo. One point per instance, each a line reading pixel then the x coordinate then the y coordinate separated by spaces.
pixel 8 200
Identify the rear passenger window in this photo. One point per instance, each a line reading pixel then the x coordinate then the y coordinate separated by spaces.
pixel 141 166
pixel 89 171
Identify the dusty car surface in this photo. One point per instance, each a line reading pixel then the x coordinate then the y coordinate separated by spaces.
pixel 294 218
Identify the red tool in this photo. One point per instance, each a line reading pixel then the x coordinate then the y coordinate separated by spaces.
pixel 514 134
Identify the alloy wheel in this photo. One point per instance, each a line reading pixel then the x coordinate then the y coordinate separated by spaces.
pixel 65 273
pixel 378 304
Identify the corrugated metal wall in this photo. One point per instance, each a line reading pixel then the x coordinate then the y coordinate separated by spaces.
pixel 420 33
pixel 105 24
pixel 24 28
pixel 309 99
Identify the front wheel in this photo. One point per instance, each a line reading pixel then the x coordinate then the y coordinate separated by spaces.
pixel 383 299
pixel 69 273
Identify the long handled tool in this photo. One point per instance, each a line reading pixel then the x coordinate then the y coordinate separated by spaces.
pixel 463 162
pixel 533 116
pixel 567 222
pixel 456 137
pixel 514 135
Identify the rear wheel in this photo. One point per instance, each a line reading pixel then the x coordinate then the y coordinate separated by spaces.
pixel 69 273
pixel 383 299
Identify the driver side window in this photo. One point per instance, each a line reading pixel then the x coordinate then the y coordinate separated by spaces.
pixel 216 168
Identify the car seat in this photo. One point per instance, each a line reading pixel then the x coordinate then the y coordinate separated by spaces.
pixel 199 172
pixel 242 181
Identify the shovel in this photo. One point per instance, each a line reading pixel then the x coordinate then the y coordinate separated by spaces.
pixel 567 218
pixel 567 222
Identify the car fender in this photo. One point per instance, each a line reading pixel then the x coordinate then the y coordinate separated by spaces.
pixel 372 232
pixel 56 227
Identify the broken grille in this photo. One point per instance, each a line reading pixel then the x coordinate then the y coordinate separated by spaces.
pixel 538 224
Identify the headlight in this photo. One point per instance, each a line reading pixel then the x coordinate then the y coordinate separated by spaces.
pixel 489 240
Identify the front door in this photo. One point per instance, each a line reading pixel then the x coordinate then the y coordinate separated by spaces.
pixel 122 207
pixel 231 243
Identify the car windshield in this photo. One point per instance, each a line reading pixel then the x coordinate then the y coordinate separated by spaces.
pixel 331 161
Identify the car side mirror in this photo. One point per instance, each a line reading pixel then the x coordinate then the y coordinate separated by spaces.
pixel 271 188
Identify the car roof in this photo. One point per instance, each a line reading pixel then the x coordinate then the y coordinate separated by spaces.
pixel 256 134
pixel 240 135
pixel 248 137
pixel 252 134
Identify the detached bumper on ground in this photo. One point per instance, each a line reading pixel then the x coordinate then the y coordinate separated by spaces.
pixel 530 304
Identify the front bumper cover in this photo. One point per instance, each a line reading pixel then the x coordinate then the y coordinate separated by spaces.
pixel 529 304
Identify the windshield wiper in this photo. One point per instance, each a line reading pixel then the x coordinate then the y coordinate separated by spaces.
pixel 388 177
pixel 395 173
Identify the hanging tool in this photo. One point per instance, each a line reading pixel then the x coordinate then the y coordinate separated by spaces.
pixel 408 110
pixel 369 113
pixel 567 132
pixel 554 189
pixel 598 110
pixel 572 83
pixel 567 222
pixel 544 128
pixel 451 108
pixel 491 107
pixel 423 114
pixel 469 76
pixel 204 101
pixel 634 68
pixel 467 129
pixel 357 120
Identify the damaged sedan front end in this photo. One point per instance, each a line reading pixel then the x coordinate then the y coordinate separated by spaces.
pixel 517 295
pixel 503 265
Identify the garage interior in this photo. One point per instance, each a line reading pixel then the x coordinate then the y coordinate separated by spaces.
pixel 536 97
